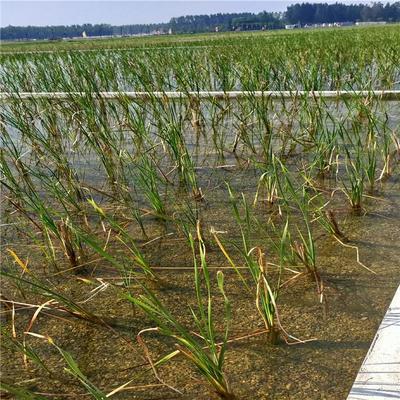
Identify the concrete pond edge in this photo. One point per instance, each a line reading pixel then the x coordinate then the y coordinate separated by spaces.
pixel 379 375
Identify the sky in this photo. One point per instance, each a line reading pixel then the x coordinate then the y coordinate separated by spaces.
pixel 116 12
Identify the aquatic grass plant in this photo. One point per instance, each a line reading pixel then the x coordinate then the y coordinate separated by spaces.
pixel 354 188
pixel 74 370
pixel 187 217
pixel 325 140
pixel 69 224
pixel 10 341
pixel 27 200
pixel 204 349
pixel 19 392
pixel 36 285
pixel 124 237
pixel 262 289
pixel 297 199
pixel 371 165
pixel 272 61
pixel 387 154
pixel 267 183
pixel 170 123
pixel 43 133
pixel 360 147
pixel 148 181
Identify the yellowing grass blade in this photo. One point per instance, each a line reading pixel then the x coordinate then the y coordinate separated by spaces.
pixel 23 265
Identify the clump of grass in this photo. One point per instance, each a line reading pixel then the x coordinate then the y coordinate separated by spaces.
pixel 29 203
pixel 354 189
pixel 20 393
pixel 10 341
pixel 267 184
pixel 371 165
pixel 202 349
pixel 124 237
pixel 45 289
pixel 148 181
pixel 303 248
pixel 265 295
pixel 74 370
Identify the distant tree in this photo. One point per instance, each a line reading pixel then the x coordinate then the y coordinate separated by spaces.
pixel 307 13
pixel 304 13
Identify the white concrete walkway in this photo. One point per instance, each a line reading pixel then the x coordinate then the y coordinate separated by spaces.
pixel 379 375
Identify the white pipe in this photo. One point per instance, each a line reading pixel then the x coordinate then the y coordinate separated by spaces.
pixel 386 95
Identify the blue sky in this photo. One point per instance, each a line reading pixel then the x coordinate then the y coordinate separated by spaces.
pixel 116 12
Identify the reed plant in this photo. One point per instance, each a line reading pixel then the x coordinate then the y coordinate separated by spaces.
pixel 74 370
pixel 265 285
pixel 124 237
pixel 149 182
pixel 354 187
pixel 202 349
pixel 297 199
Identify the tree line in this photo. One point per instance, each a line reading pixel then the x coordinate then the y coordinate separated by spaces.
pixel 305 13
